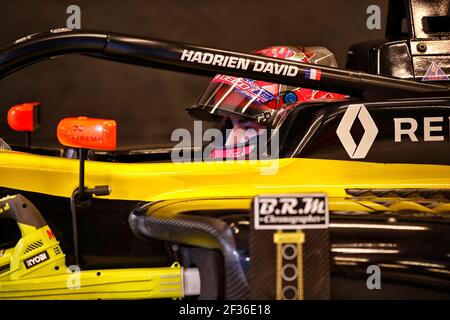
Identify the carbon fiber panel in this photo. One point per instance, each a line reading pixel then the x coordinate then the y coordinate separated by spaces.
pixel 263 270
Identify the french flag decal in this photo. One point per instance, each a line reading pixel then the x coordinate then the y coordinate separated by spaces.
pixel 312 74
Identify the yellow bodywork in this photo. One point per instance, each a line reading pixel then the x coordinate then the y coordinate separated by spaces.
pixel 166 181
pixel 186 187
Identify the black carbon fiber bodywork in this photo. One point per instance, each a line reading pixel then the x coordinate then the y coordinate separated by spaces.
pixel 316 265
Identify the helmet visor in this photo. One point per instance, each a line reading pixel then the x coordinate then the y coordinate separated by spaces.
pixel 227 95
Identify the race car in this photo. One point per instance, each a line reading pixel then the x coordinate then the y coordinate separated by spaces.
pixel 357 183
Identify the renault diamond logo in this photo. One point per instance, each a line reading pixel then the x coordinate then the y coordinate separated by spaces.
pixel 370 131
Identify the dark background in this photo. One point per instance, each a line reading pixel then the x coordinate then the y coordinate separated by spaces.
pixel 149 104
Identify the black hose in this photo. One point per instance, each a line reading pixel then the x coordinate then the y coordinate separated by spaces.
pixel 204 232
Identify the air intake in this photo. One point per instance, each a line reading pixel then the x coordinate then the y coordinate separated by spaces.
pixel 34 246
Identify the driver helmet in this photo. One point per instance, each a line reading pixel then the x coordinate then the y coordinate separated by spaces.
pixel 247 106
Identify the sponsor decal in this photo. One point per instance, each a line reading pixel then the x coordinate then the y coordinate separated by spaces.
pixel 247 87
pixel 433 129
pixel 50 234
pixel 435 73
pixel 60 30
pixel 35 260
pixel 23 39
pixel 291 212
pixel 277 52
pixel 406 129
pixel 353 112
pixel 234 62
pixel 313 74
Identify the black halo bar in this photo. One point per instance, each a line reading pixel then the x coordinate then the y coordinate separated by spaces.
pixel 168 55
